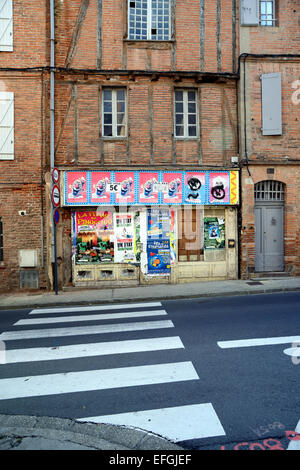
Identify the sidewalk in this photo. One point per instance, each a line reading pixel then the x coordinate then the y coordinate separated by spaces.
pixel 147 293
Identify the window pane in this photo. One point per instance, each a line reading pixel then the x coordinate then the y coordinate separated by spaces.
pixel 179 119
pixel 179 131
pixel 107 118
pixel 192 107
pixel 120 118
pixel 179 107
pixel 191 95
pixel 192 119
pixel 107 106
pixel 107 95
pixel 108 131
pixel 121 131
pixel 192 131
pixel 178 95
pixel 120 95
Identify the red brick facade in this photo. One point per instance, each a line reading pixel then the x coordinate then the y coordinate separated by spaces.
pixel 271 157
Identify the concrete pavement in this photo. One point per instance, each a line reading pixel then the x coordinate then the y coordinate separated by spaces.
pixel 73 296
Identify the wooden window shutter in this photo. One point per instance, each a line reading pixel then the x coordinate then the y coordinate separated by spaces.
pixel 271 104
pixel 6 25
pixel 249 12
pixel 6 126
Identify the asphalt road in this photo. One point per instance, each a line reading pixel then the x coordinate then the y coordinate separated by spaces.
pixel 248 394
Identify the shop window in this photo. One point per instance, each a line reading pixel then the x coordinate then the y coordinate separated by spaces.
pixel 114 112
pixel 149 20
pixel 190 234
pixel 186 113
pixel 1 241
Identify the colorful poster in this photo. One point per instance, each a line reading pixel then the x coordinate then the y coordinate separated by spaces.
pixel 76 187
pixel 100 187
pixel 219 188
pixel 194 188
pixel 126 189
pixel 159 223
pixel 214 233
pixel 159 258
pixel 148 188
pixel 94 234
pixel 173 192
pixel 124 238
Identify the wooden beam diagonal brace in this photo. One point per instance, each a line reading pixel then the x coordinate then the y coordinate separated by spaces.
pixel 77 31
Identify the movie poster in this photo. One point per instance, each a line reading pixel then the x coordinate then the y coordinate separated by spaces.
pixel 194 188
pixel 94 237
pixel 159 258
pixel 214 233
pixel 219 188
pixel 126 187
pixel 124 238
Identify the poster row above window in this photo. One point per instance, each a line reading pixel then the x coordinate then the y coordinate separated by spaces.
pixel 113 188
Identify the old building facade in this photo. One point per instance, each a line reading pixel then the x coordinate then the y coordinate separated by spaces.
pixel 174 130
pixel 23 90
pixel 269 129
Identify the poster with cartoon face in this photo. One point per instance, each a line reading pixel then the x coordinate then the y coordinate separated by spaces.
pixel 219 188
pixel 76 187
pixel 148 192
pixel 194 188
pixel 173 192
pixel 99 187
pixel 126 192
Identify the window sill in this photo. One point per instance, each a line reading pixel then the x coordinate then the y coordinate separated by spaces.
pixel 186 138
pixel 113 139
pixel 150 43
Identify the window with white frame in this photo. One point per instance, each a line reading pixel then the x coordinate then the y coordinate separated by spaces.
pixel 186 113
pixel 267 13
pixel 1 241
pixel 114 112
pixel 149 20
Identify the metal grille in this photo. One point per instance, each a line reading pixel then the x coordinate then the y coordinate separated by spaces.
pixel 269 191
pixel 1 241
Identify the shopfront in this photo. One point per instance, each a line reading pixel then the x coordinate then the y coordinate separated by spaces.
pixel 141 227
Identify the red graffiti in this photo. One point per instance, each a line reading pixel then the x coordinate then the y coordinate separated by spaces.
pixel 267 444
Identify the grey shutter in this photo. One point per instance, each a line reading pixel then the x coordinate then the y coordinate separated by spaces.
pixel 6 126
pixel 249 12
pixel 6 25
pixel 271 104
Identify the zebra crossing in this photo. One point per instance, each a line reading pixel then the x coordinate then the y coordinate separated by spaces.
pixel 124 331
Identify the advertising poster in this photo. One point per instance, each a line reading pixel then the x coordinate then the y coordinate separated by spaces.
pixel 159 259
pixel 148 188
pixel 159 223
pixel 173 192
pixel 100 187
pixel 214 233
pixel 76 187
pixel 194 188
pixel 94 237
pixel 124 238
pixel 219 188
pixel 126 189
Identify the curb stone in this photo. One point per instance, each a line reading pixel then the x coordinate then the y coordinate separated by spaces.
pixel 18 432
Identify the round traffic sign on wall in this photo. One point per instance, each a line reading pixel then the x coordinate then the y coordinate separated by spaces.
pixel 55 175
pixel 55 195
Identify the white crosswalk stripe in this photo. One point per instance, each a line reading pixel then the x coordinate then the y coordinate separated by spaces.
pixel 79 318
pixel 177 423
pixel 92 349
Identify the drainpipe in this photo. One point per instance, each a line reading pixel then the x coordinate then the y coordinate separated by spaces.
pixel 52 151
